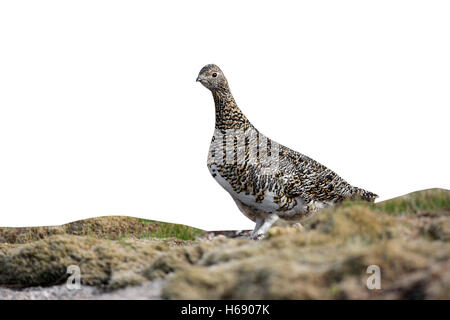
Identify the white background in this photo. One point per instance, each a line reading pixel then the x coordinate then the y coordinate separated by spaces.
pixel 100 113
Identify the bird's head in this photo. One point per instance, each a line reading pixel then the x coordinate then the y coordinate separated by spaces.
pixel 212 77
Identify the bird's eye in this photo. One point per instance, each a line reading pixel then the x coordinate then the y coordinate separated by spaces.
pixel 214 74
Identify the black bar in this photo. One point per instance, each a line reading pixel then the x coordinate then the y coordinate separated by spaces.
pixel 223 309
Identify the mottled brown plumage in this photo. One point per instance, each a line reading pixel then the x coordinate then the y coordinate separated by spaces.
pixel 266 180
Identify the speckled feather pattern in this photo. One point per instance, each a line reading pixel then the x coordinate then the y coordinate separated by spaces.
pixel 296 186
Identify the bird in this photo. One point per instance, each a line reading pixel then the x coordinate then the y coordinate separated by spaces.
pixel 267 180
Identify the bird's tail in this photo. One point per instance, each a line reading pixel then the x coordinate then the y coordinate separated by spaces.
pixel 358 193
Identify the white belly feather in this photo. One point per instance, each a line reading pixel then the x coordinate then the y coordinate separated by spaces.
pixel 268 205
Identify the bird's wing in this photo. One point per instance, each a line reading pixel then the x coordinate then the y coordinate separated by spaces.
pixel 311 180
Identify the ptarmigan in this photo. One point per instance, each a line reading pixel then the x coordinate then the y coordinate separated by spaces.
pixel 266 180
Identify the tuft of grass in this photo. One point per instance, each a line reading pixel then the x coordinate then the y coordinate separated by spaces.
pixel 170 230
pixel 111 228
pixel 436 201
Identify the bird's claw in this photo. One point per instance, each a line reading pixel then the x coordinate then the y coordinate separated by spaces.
pixel 257 237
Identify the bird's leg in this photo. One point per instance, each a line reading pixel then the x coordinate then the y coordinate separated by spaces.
pixel 259 223
pixel 261 231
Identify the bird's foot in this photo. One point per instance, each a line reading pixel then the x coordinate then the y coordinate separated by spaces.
pixel 257 237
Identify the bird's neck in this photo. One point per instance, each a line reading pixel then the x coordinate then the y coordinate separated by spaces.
pixel 228 114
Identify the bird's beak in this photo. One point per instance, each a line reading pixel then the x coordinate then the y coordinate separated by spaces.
pixel 198 79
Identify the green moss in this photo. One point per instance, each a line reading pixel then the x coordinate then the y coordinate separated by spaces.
pixel 45 262
pixel 169 230
pixel 112 228
pixel 432 201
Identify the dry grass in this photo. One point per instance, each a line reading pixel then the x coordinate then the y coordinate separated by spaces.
pixel 407 237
